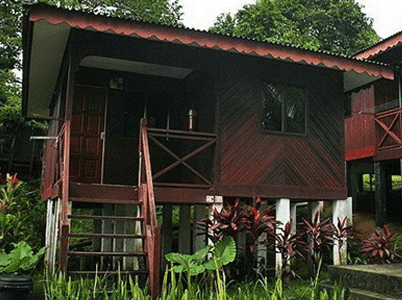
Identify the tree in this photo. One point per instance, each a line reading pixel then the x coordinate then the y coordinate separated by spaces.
pixel 166 12
pixel 337 26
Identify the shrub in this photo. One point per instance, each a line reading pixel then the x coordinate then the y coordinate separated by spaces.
pixel 378 248
pixel 22 214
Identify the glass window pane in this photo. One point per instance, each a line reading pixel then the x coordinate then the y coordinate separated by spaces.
pixel 295 113
pixel 272 103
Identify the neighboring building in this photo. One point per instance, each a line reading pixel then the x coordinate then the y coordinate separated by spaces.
pixel 374 137
pixel 226 117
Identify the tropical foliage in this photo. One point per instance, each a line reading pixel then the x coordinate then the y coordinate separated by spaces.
pixel 20 259
pixel 16 224
pixel 378 247
pixel 336 26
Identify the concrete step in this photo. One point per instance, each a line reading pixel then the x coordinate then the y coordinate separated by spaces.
pixel 367 281
pixel 358 294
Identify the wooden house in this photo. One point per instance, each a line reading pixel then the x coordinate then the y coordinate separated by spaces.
pixel 143 114
pixel 373 137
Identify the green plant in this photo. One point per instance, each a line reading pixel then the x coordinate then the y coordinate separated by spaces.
pixel 20 259
pixel 223 252
pixel 21 213
pixel 378 248
pixel 99 288
pixel 232 219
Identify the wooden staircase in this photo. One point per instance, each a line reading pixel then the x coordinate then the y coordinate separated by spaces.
pixel 107 246
pixel 114 242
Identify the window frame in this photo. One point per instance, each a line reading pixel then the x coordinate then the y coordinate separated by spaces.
pixel 283 130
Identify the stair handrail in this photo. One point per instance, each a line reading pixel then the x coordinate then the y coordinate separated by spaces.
pixel 146 190
pixel 64 164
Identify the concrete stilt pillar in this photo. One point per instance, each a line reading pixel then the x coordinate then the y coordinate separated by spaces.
pixel 217 203
pixel 339 251
pixel 282 215
pixel 349 209
pixel 293 214
pixel 185 229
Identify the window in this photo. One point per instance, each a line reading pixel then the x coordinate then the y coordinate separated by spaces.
pixel 368 182
pixel 284 108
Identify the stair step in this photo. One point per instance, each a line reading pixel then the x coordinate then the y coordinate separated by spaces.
pixel 89 253
pixel 382 279
pixel 105 201
pixel 113 218
pixel 107 235
pixel 358 294
pixel 132 272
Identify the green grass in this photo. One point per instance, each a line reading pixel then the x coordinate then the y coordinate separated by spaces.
pixel 174 288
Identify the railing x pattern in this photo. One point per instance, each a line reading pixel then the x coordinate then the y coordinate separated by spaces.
pixel 389 131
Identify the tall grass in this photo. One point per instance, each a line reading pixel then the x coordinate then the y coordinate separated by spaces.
pixel 175 287
pixel 100 288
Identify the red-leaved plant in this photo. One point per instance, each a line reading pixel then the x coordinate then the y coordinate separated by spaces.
pixel 227 221
pixel 378 248
pixel 257 222
pixel 235 218
pixel 320 236
pixel 289 245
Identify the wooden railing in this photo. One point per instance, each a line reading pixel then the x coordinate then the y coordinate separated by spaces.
pixel 390 129
pixel 146 195
pixel 200 179
pixel 64 173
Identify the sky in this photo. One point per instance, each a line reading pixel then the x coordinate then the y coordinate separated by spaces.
pixel 201 14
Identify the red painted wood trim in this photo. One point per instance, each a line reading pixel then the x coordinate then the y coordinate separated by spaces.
pixel 283 191
pixel 88 190
pixel 387 154
pixel 205 40
pixel 157 261
pixel 63 256
pixel 66 173
pixel 164 195
pixel 359 153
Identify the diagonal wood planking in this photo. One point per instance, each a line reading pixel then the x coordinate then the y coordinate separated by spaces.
pixel 253 158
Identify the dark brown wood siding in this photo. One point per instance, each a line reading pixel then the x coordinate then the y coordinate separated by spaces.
pixel 277 165
pixel 360 137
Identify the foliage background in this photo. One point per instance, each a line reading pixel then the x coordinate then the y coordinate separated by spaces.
pixel 337 26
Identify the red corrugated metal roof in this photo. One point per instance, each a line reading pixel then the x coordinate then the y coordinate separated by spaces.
pixel 78 19
pixel 381 47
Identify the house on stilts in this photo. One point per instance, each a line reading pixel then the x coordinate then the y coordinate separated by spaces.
pixel 373 137
pixel 142 114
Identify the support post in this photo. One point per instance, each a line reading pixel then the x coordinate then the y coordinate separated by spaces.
pixel 293 214
pixel 199 235
pixel 282 215
pixel 217 203
pixel 339 251
pixel 185 229
pixel 380 194
pixel 167 231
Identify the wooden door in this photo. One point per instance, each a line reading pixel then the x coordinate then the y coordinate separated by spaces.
pixel 87 125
